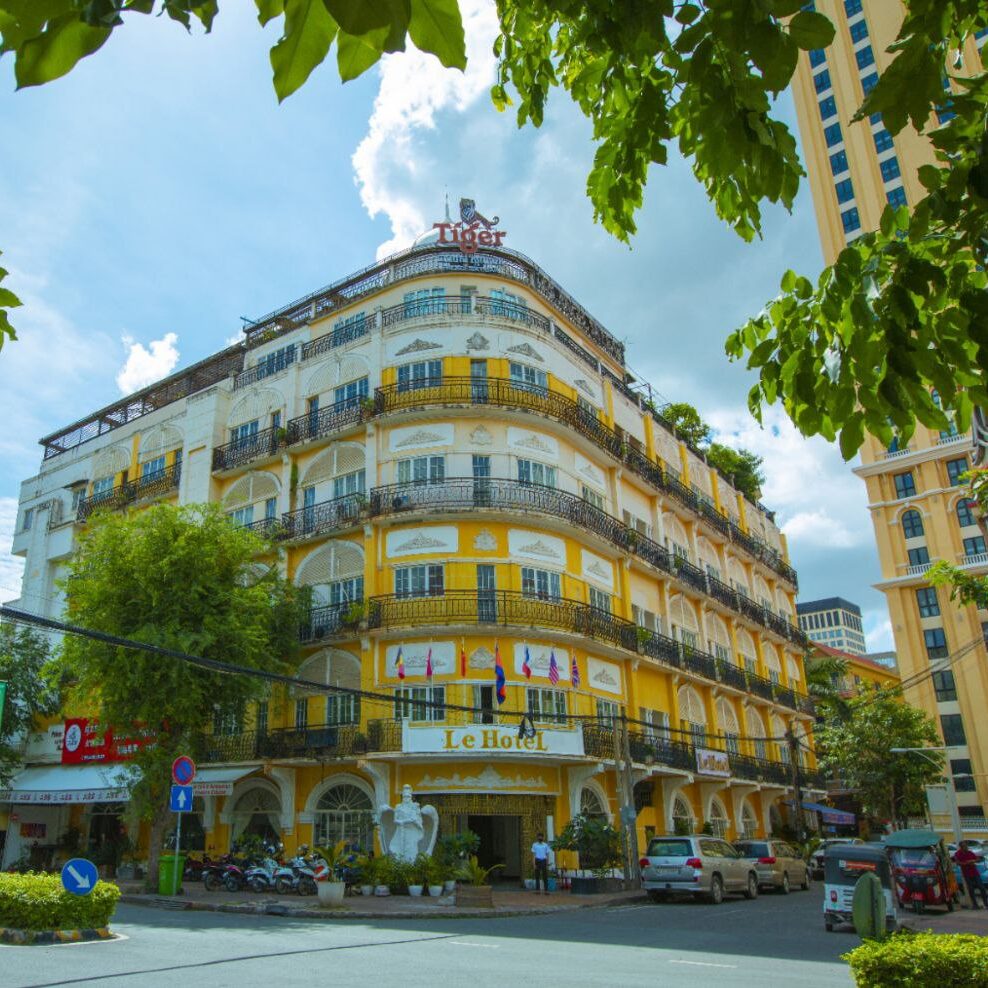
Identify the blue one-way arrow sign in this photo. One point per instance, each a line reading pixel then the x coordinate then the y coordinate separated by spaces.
pixel 181 799
pixel 79 876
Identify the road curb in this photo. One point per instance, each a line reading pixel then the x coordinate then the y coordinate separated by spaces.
pixel 45 938
pixel 284 910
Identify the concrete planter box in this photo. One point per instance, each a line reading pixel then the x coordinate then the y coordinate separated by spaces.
pixel 475 896
pixel 594 886
pixel 330 893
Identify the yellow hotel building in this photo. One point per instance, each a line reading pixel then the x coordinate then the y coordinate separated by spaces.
pixel 449 449
pixel 918 510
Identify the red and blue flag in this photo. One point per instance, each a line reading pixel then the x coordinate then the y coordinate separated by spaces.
pixel 526 666
pixel 501 692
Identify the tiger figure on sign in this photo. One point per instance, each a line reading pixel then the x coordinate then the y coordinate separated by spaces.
pixel 469 215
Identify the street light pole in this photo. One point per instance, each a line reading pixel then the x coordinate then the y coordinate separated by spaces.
pixel 955 816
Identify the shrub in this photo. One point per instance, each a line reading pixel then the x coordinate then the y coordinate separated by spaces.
pixel 918 960
pixel 39 902
pixel 594 839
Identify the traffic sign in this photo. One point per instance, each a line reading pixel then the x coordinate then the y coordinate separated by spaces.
pixel 181 799
pixel 79 876
pixel 183 770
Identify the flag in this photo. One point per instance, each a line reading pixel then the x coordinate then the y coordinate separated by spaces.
pixel 463 659
pixel 499 675
pixel 526 667
pixel 428 663
pixel 574 677
pixel 400 664
pixel 553 668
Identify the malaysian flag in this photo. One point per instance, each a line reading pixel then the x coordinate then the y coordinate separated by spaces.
pixel 574 677
pixel 553 668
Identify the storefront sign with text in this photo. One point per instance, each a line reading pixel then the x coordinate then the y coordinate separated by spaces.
pixel 489 740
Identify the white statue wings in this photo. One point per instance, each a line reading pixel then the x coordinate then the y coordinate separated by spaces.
pixel 408 829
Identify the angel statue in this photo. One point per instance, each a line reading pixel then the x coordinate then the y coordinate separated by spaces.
pixel 408 829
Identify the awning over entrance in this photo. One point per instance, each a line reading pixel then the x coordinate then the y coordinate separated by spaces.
pixel 830 815
pixel 217 781
pixel 56 785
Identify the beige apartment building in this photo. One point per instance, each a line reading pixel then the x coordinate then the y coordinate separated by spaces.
pixel 915 492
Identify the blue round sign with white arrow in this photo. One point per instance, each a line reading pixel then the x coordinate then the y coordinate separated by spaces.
pixel 79 876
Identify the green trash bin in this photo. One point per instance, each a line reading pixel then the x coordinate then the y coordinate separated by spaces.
pixel 167 885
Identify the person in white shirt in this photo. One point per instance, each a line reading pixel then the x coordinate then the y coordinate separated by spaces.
pixel 540 858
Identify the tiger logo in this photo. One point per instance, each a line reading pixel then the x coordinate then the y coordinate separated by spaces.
pixel 469 215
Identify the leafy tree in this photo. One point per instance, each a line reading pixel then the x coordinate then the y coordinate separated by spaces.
pixel 858 749
pixel 687 423
pixel 741 465
pixel 902 312
pixel 184 578
pixel 31 696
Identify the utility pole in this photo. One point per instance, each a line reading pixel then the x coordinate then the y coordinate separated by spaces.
pixel 626 788
pixel 797 790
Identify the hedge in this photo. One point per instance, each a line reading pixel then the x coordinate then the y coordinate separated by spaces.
pixel 39 902
pixel 919 960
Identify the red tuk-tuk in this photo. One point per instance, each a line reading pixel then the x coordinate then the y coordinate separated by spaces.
pixel 922 872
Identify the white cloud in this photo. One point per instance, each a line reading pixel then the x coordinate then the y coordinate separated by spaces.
pixel 146 365
pixel 414 89
pixel 878 630
pixel 818 528
pixel 11 567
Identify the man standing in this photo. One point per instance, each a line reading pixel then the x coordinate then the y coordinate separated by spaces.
pixel 540 858
pixel 968 861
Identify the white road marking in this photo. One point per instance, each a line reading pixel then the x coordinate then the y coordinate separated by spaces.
pixel 703 964
pixel 467 943
pixel 86 943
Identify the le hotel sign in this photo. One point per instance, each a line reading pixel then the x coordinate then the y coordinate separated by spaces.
pixel 472 231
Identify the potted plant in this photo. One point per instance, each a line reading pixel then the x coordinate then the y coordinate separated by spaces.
pixel 418 877
pixel 434 877
pixel 599 846
pixel 452 851
pixel 329 887
pixel 354 614
pixel 477 891
pixel 398 876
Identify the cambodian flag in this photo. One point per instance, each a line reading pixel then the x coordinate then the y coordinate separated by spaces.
pixel 574 677
pixel 553 668
pixel 499 676
pixel 526 667
pixel 428 664
pixel 400 664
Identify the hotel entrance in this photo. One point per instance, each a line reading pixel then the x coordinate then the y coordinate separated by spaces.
pixel 506 825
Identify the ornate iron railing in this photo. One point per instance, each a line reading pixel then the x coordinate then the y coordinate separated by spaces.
pixel 731 675
pixel 763 687
pixel 337 337
pixel 152 485
pixel 266 367
pixel 314 741
pixel 241 747
pixel 327 516
pixel 325 422
pixel 239 452
pixel 331 620
pixel 384 734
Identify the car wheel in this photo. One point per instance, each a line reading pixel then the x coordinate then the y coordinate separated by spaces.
pixel 784 887
pixel 751 889
pixel 806 880
pixel 828 926
pixel 716 895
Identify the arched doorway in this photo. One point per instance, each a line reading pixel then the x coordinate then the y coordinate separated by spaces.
pixel 683 821
pixel 718 819
pixel 257 813
pixel 344 812
pixel 591 804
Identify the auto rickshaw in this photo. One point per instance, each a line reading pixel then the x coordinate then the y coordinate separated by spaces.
pixel 843 865
pixel 922 870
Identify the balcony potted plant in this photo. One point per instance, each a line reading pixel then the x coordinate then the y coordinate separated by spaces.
pixel 477 891
pixel 329 887
pixel 354 614
pixel 599 846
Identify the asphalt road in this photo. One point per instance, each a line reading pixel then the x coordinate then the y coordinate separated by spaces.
pixel 776 940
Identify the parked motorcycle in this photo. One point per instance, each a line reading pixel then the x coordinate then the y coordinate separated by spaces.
pixel 261 877
pixel 297 875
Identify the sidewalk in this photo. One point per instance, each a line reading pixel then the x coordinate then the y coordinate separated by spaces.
pixel 508 902
pixel 940 921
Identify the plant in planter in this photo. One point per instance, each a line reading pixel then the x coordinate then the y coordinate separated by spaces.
pixel 452 851
pixel 418 874
pixel 477 890
pixel 331 887
pixel 354 614
pixel 398 876
pixel 372 875
pixel 597 843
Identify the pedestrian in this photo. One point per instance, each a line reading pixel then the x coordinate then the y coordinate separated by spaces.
pixel 540 858
pixel 968 861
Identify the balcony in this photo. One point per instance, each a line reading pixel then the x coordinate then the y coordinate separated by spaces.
pixel 732 675
pixel 766 689
pixel 331 621
pixel 323 518
pixel 464 308
pixel 325 422
pixel 314 741
pixel 239 452
pixel 153 485
pixel 760 770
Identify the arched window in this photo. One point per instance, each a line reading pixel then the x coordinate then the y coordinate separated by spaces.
pixel 258 812
pixel 965 516
pixel 727 722
pixel 682 816
pixel 756 732
pixel 718 819
pixel 590 804
pixel 749 822
pixel 344 813
pixel 775 820
pixel 912 524
pixel 692 714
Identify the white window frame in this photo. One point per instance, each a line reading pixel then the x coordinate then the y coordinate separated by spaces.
pixel 546 705
pixel 410 703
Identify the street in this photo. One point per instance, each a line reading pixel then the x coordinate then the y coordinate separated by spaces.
pixel 773 940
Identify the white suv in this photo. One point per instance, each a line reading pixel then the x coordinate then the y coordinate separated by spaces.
pixel 698 865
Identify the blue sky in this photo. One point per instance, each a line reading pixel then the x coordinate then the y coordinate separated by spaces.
pixel 159 192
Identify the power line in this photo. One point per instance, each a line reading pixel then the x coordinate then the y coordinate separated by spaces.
pixel 234 669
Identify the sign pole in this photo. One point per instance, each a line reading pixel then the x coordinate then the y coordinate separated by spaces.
pixel 178 845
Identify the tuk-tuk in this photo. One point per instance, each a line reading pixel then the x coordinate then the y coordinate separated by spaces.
pixel 843 865
pixel 922 870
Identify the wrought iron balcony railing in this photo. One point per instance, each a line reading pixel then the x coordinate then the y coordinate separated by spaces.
pixel 327 516
pixel 246 449
pixel 330 621
pixel 325 422
pixel 513 608
pixel 151 485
